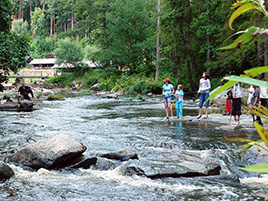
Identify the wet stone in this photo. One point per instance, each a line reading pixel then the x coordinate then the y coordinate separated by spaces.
pixel 5 171
pixel 176 163
pixel 52 153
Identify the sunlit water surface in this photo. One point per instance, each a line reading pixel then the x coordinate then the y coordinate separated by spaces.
pixel 105 125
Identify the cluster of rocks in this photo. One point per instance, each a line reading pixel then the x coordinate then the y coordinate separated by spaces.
pixel 63 151
pixel 13 104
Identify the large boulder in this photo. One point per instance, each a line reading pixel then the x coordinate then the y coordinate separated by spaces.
pixel 176 163
pixel 52 153
pixel 14 105
pixel 5 171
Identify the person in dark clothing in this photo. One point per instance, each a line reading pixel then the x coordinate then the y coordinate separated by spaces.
pixel 255 102
pixel 25 91
pixel 237 102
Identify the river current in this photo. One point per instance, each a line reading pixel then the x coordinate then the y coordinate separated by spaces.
pixel 106 125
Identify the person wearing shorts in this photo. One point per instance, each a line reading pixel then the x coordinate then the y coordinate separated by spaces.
pixel 204 86
pixel 167 92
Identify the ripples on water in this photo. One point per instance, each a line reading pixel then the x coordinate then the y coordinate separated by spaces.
pixel 103 126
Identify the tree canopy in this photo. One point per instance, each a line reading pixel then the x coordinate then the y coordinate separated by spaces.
pixel 122 35
pixel 14 45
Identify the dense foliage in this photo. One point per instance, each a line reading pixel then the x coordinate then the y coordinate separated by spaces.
pixel 245 37
pixel 13 46
pixel 122 35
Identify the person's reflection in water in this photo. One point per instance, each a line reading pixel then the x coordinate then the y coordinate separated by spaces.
pixel 169 123
pixel 179 131
pixel 200 124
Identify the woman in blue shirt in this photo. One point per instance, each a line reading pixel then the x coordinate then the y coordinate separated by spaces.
pixel 167 91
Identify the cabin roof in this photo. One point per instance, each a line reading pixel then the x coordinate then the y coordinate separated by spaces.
pixel 42 61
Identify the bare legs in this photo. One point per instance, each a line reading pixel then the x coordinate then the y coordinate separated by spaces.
pixel 200 112
pixel 168 108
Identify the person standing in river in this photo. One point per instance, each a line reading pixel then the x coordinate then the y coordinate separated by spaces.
pixel 255 102
pixel 264 96
pixel 179 101
pixel 228 106
pixel 167 92
pixel 204 87
pixel 237 102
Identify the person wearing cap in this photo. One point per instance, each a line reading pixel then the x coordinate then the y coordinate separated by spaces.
pixel 204 87
pixel 167 91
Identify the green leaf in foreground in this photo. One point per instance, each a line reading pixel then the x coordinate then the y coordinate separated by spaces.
pixel 258 168
pixel 253 72
pixel 222 89
pixel 244 38
pixel 248 80
pixel 242 9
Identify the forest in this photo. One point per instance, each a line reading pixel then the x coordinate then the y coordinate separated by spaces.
pixel 137 43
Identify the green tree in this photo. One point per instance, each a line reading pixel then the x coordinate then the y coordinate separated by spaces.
pixel 19 26
pixel 69 52
pixel 127 34
pixel 13 47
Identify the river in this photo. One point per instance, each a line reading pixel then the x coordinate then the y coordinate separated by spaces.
pixel 106 125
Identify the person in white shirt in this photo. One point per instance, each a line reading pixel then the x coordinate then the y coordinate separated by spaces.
pixel 237 102
pixel 204 87
pixel 250 94
pixel 264 96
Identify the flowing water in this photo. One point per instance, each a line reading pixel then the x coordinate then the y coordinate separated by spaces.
pixel 103 126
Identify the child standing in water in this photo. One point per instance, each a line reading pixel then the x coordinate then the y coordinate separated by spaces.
pixel 168 90
pixel 179 101
pixel 228 107
pixel 204 87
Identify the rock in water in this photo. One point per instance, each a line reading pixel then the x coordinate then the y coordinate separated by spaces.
pixel 256 154
pixel 123 154
pixel 5 171
pixel 95 87
pixel 26 104
pixel 51 153
pixel 176 163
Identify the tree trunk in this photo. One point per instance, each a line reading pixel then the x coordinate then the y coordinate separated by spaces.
pixel 51 31
pixel 158 55
pixel 36 3
pixel 266 43
pixel 54 32
pixel 65 26
pixel 188 44
pixel 190 79
pixel 105 29
pixel 30 4
pixel 260 43
pixel 22 10
pixel 44 5
pixel 72 23
pixel 208 39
